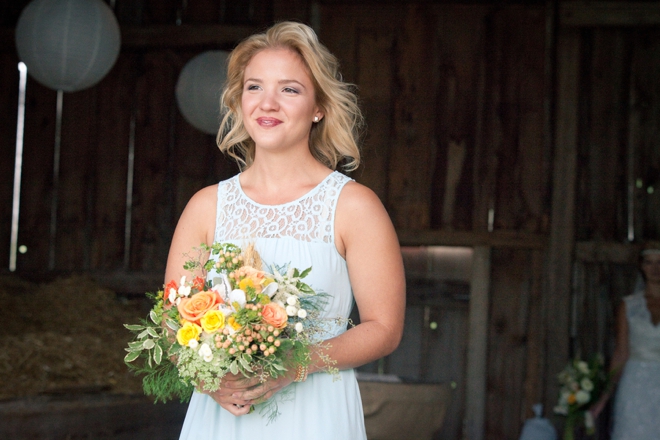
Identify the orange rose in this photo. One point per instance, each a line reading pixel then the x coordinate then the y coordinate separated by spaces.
pixel 171 285
pixel 198 283
pixel 192 309
pixel 274 315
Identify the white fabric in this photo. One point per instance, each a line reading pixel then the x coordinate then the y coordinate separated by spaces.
pixel 301 233
pixel 637 404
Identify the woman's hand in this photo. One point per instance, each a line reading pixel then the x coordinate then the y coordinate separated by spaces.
pixel 231 386
pixel 262 391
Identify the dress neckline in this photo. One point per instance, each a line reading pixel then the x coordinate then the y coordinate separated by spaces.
pixel 304 196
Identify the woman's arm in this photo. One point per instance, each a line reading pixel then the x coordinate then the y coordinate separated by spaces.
pixel 619 358
pixel 366 237
pixel 196 226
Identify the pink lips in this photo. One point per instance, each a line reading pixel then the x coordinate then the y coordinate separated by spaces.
pixel 268 122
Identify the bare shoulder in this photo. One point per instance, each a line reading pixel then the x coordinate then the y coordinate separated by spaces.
pixel 361 216
pixel 199 215
pixel 357 197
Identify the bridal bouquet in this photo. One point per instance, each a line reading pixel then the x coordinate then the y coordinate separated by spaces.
pixel 582 384
pixel 235 318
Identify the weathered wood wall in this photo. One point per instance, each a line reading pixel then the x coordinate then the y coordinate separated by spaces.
pixel 530 129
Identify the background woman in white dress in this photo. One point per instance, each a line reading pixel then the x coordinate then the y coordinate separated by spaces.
pixel 290 122
pixel 635 365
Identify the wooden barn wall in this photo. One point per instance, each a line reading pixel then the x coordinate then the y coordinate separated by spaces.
pixel 454 100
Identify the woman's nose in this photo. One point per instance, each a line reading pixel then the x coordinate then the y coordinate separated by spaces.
pixel 269 101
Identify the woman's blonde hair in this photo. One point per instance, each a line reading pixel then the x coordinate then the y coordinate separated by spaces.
pixel 333 139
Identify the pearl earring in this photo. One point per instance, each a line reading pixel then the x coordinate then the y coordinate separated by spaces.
pixel 316 119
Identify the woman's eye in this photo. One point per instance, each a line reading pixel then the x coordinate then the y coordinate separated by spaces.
pixel 290 90
pixel 252 87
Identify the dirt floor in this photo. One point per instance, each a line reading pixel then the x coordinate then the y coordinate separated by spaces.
pixel 63 337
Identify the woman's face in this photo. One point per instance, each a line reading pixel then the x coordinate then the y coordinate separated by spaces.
pixel 651 268
pixel 278 100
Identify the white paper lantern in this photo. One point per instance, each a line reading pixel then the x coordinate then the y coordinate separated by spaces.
pixel 199 87
pixel 68 45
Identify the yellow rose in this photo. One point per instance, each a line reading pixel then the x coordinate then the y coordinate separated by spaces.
pixel 232 322
pixel 212 321
pixel 245 283
pixel 188 332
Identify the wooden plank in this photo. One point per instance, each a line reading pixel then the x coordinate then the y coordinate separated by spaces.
pixel 508 327
pixel 644 74
pixel 375 67
pixel 161 36
pixel 475 389
pixel 514 157
pixel 612 13
pixel 186 35
pixel 109 161
pixel 506 239
pixel 557 290
pixel 410 170
pixel 79 128
pixel 34 223
pixel 459 41
pixel 607 252
pixel 535 351
pixel 154 140
pixel 601 198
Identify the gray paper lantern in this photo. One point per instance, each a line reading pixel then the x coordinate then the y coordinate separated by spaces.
pixel 199 87
pixel 68 45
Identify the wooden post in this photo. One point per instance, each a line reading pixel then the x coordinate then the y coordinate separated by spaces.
pixel 557 292
pixel 475 405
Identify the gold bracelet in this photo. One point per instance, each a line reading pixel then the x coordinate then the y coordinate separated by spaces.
pixel 301 373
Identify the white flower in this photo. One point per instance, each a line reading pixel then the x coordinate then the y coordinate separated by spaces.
pixel 172 295
pixel 237 296
pixel 582 397
pixel 302 313
pixel 292 300
pixel 184 290
pixel 270 289
pixel 583 367
pixel 560 409
pixel 291 310
pixel 299 327
pixel 205 352
pixel 587 384
pixel 193 343
pixel 289 273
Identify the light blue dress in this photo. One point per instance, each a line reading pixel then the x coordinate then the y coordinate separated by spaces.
pixel 637 402
pixel 301 233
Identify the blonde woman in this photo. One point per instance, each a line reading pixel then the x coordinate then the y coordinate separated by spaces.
pixel 290 122
pixel 635 364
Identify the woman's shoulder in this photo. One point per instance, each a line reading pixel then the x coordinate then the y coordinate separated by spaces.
pixel 200 202
pixel 355 193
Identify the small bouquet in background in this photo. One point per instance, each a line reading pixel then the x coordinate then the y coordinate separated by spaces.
pixel 243 320
pixel 582 384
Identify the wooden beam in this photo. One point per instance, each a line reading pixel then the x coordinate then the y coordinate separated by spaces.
pixel 606 252
pixel 477 353
pixel 621 13
pixel 186 35
pixel 164 36
pixel 505 239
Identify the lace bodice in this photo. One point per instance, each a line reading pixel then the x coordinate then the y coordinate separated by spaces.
pixel 643 335
pixel 309 218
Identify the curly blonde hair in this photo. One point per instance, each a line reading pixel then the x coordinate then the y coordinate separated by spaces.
pixel 332 140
